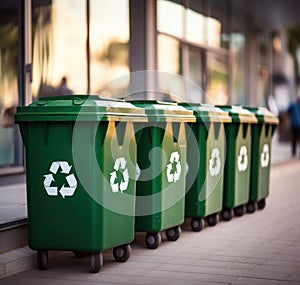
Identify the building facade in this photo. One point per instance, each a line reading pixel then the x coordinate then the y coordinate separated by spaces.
pixel 224 47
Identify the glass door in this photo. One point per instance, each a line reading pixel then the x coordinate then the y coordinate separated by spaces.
pixel 11 81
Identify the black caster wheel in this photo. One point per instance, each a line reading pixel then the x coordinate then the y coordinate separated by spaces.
pixel 212 220
pixel 122 253
pixel 197 224
pixel 226 214
pixel 239 211
pixel 250 207
pixel 42 259
pixel 81 254
pixel 173 234
pixel 96 262
pixel 153 240
pixel 261 204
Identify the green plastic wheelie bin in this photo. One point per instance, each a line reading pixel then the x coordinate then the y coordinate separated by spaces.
pixel 262 134
pixel 238 161
pixel 80 158
pixel 161 157
pixel 204 185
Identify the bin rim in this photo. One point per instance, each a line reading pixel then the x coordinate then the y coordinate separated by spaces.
pixel 79 107
pixel 208 112
pixel 239 114
pixel 264 115
pixel 161 111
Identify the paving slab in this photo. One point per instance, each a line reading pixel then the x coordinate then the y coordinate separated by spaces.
pixel 259 248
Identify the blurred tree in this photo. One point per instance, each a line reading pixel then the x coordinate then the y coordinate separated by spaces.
pixel 116 53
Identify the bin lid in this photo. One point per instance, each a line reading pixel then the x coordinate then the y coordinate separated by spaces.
pixel 239 114
pixel 207 112
pixel 79 108
pixel 264 115
pixel 158 111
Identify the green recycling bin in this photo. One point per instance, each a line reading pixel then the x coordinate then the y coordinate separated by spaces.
pixel 161 157
pixel 262 134
pixel 80 175
pixel 206 142
pixel 238 161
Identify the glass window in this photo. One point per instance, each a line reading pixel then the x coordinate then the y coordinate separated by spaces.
pixel 195 74
pixel 169 62
pixel 59 47
pixel 262 71
pixel 219 23
pixel 238 52
pixel 213 32
pixel 9 95
pixel 237 47
pixel 195 27
pixel 109 45
pixel 170 18
pixel 217 79
pixel 168 53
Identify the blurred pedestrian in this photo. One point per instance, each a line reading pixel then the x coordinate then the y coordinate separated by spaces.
pixel 63 88
pixel 294 113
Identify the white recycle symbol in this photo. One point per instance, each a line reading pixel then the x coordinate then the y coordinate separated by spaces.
pixel 265 156
pixel 174 158
pixel 71 180
pixel 215 162
pixel 242 159
pixel 120 163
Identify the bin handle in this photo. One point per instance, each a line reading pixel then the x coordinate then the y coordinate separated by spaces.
pixel 166 103
pixel 78 101
pixel 42 102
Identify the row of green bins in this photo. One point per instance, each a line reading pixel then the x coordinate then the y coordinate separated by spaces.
pixel 80 175
pixel 99 169
pixel 206 144
pixel 262 133
pixel 161 157
pixel 238 161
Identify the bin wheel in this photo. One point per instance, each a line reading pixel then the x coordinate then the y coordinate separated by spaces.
pixel 250 207
pixel 226 214
pixel 80 254
pixel 42 259
pixel 122 253
pixel 212 220
pixel 197 224
pixel 261 204
pixel 96 262
pixel 173 234
pixel 239 211
pixel 153 240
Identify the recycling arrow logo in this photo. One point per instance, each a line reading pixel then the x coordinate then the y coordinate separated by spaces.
pixel 215 162
pixel 174 176
pixel 265 156
pixel 242 161
pixel 64 191
pixel 119 168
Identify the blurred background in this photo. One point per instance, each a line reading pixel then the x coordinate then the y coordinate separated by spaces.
pixel 234 51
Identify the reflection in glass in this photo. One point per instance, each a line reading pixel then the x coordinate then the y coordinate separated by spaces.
pixel 109 46
pixel 59 46
pixel 9 33
pixel 217 80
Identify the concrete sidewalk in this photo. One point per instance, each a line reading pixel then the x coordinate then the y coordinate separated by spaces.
pixel 259 248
